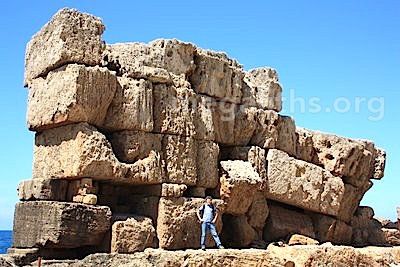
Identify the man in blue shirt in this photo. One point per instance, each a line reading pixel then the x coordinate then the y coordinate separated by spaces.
pixel 208 215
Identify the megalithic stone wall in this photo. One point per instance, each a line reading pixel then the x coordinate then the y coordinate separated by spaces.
pixel 130 137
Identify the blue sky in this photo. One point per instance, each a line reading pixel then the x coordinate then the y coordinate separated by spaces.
pixel 321 49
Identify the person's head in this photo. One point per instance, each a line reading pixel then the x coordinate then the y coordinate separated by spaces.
pixel 208 199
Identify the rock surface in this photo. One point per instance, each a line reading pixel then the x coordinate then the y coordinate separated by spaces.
pixel 302 184
pixel 53 224
pixel 70 36
pixel 132 235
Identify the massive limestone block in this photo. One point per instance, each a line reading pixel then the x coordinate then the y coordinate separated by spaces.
pixel 303 184
pixel 207 164
pixel 253 154
pixel 261 89
pixel 237 232
pixel 69 37
pixel 239 184
pixel 132 235
pixel 154 61
pixel 367 231
pixel 283 222
pixel 52 224
pixel 265 128
pixel 132 106
pixel 174 110
pixel 43 189
pixel 215 120
pixel 130 146
pixel 354 160
pixel 329 229
pixel 218 76
pixel 351 200
pixel 180 155
pixel 70 94
pixel 178 226
pixel 79 150
pixel 258 213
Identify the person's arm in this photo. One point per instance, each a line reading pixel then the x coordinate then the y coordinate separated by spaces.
pixel 198 215
pixel 216 216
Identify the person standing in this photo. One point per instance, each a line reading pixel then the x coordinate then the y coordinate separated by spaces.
pixel 208 215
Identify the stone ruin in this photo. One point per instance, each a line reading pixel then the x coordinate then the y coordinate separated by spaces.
pixel 130 137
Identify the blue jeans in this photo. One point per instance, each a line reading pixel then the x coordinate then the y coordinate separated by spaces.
pixel 209 226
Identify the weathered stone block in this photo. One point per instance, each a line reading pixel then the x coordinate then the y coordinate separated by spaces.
pixel 133 235
pixel 367 231
pixel 354 160
pixel 178 226
pixel 239 184
pixel 351 200
pixel 265 128
pixel 152 61
pixel 303 184
pixel 262 90
pixel 79 150
pixel 174 111
pixel 180 155
pixel 218 76
pixel 71 94
pixel 255 155
pixel 43 189
pixel 215 120
pixel 329 229
pixel 131 107
pixel 52 224
pixel 283 222
pixel 70 36
pixel 130 146
pixel 207 164
pixel 237 232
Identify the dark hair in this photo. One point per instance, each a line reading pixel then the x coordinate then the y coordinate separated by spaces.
pixel 208 197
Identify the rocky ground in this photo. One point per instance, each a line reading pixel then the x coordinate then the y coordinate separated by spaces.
pixel 297 255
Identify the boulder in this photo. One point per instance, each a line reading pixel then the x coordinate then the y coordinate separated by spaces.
pixel 329 229
pixel 130 146
pixel 178 226
pixel 172 190
pixel 217 76
pixel 70 36
pixel 297 239
pixel 351 200
pixel 303 184
pixel 131 107
pixel 43 189
pixel 154 61
pixel 64 225
pixel 258 213
pixel 180 155
pixel 174 111
pixel 132 235
pixel 239 184
pixel 261 89
pixel 73 93
pixel 237 232
pixel 265 128
pixel 89 199
pixel 283 222
pixel 79 150
pixel 367 231
pixel 355 160
pixel 255 155
pixel 207 164
pixel 392 236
